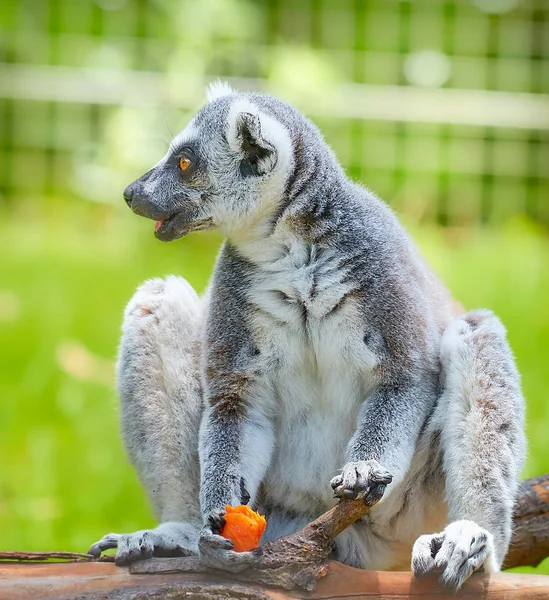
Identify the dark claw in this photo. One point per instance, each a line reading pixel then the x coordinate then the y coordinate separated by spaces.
pixel 106 543
pixel 386 478
pixel 244 494
pixel 336 482
pixel 216 521
pixel 375 494
pixel 121 561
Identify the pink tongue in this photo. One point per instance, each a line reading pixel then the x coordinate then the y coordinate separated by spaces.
pixel 157 225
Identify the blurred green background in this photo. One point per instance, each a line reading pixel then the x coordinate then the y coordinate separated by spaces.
pixel 441 107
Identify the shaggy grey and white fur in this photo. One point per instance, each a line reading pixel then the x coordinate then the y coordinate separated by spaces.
pixel 326 359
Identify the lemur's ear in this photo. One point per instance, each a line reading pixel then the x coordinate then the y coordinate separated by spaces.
pixel 258 155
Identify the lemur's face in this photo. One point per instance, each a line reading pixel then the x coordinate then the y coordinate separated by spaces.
pixel 226 168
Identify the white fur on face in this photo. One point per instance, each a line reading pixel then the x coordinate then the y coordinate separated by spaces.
pixel 250 201
pixel 218 89
pixel 184 137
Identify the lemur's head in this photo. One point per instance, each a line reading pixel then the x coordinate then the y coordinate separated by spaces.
pixel 227 168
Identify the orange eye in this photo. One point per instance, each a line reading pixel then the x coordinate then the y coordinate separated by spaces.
pixel 184 163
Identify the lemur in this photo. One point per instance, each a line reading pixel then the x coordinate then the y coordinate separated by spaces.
pixel 326 359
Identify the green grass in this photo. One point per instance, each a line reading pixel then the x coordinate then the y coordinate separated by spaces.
pixel 64 279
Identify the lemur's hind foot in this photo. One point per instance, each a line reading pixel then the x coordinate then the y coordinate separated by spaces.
pixel 168 539
pixel 457 552
pixel 160 406
pixel 480 417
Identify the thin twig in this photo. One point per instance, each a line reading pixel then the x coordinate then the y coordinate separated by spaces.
pixel 23 556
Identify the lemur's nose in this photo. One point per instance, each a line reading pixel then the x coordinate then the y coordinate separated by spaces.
pixel 128 193
pixel 133 194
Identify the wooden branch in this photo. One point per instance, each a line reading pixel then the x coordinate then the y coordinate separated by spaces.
pixel 99 581
pixel 530 541
pixel 299 559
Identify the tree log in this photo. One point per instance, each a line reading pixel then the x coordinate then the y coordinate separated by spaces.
pixel 102 581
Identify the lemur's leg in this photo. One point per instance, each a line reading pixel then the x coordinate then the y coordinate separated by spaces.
pixel 161 407
pixel 480 417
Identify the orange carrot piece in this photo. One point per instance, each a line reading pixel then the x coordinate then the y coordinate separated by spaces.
pixel 244 527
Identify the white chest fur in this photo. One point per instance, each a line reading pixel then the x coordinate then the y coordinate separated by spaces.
pixel 307 323
pixel 307 310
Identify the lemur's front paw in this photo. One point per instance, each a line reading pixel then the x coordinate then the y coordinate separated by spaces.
pixel 216 551
pixel 362 479
pixel 462 548
pixel 168 539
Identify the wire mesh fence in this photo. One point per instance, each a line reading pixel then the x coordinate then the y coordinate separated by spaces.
pixel 441 107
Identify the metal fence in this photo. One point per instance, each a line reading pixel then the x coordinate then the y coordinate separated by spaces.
pixel 441 107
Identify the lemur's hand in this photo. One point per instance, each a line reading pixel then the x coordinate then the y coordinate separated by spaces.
pixel 362 479
pixel 216 551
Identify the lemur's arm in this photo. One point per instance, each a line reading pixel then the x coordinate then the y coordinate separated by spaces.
pixel 391 419
pixel 236 442
pixel 236 436
pixel 388 428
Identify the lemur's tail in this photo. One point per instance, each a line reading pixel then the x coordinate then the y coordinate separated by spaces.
pixel 484 448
